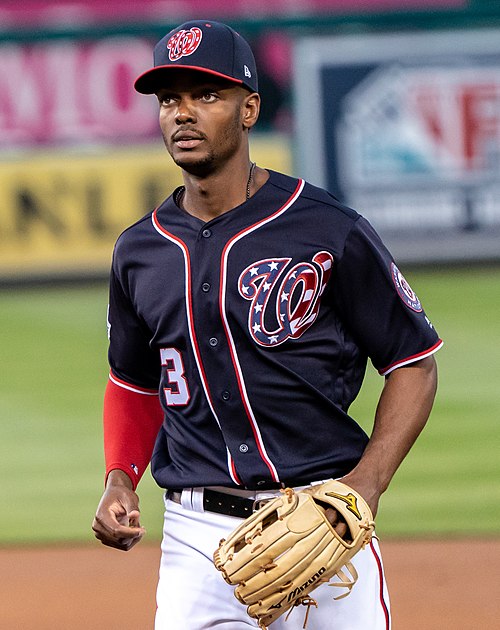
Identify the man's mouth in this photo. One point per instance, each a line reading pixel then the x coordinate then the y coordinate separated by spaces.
pixel 187 139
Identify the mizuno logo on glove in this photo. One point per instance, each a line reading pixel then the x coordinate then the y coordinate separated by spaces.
pixel 349 499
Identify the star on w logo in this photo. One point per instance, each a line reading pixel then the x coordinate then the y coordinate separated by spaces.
pixel 296 302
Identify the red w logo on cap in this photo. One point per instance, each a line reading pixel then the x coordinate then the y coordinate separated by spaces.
pixel 184 43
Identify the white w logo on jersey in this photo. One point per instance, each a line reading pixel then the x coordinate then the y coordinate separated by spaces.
pixel 296 302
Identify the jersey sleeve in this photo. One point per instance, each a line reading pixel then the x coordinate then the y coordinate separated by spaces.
pixel 132 413
pixel 377 305
pixel 130 355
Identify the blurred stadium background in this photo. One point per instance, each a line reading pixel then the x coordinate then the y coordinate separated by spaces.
pixel 392 105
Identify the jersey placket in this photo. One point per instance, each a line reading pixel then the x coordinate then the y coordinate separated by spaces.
pixel 225 380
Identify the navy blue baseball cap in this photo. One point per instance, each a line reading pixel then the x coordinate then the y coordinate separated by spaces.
pixel 210 47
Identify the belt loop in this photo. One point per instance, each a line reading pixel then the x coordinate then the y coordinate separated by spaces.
pixel 197 499
pixel 186 498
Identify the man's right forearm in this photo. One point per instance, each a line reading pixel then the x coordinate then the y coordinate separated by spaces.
pixel 118 477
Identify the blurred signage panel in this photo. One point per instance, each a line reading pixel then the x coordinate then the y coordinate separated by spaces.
pixel 84 11
pixel 406 129
pixel 67 92
pixel 61 213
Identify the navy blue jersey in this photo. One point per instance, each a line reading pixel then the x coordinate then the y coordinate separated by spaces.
pixel 256 328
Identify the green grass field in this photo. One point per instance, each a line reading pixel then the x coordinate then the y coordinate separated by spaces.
pixel 54 371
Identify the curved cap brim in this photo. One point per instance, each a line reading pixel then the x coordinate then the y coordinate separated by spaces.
pixel 156 78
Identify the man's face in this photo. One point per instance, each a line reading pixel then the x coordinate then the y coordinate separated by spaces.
pixel 203 120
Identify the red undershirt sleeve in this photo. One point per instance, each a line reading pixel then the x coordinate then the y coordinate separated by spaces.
pixel 132 417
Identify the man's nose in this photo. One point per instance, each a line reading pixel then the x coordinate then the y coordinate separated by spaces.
pixel 185 112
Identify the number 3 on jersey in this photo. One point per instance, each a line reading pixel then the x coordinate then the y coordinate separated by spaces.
pixel 177 391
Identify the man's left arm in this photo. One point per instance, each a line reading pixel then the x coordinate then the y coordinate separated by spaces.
pixel 402 412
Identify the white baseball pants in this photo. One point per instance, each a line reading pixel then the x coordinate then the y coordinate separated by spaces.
pixel 192 595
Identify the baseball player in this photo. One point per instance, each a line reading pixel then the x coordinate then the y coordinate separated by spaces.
pixel 242 313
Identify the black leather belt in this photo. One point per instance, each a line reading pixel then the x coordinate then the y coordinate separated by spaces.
pixel 223 503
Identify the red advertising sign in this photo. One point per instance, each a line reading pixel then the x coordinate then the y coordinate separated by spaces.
pixel 62 92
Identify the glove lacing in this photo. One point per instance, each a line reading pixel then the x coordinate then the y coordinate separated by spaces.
pixel 304 601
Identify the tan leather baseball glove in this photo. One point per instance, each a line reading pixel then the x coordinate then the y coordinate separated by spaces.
pixel 287 548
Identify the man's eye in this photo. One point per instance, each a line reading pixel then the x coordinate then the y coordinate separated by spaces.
pixel 165 100
pixel 208 97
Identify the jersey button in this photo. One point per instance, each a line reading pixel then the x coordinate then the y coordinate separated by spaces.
pixel 243 448
pixel 206 233
pixel 213 341
pixel 225 395
pixel 205 287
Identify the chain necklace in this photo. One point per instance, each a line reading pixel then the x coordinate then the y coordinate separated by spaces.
pixel 250 177
pixel 180 192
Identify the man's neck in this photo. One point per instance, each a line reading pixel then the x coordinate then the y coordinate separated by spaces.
pixel 209 197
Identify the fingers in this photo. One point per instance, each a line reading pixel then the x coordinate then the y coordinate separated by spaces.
pixel 117 520
pixel 134 519
pixel 336 521
pixel 117 535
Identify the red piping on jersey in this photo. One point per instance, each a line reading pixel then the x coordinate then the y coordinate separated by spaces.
pixel 194 342
pixel 385 608
pixel 232 348
pixel 412 359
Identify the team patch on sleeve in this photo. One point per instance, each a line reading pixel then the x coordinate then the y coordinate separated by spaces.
pixel 404 290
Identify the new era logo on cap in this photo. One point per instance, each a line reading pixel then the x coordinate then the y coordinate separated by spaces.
pixel 210 47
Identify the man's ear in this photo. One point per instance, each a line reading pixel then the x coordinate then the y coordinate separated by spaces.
pixel 250 109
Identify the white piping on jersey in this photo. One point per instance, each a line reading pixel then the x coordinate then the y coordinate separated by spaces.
pixel 412 359
pixel 232 345
pixel 194 343
pixel 131 388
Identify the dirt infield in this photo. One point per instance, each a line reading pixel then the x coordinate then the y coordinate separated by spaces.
pixel 431 582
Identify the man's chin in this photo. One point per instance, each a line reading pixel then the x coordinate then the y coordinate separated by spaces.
pixel 192 163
